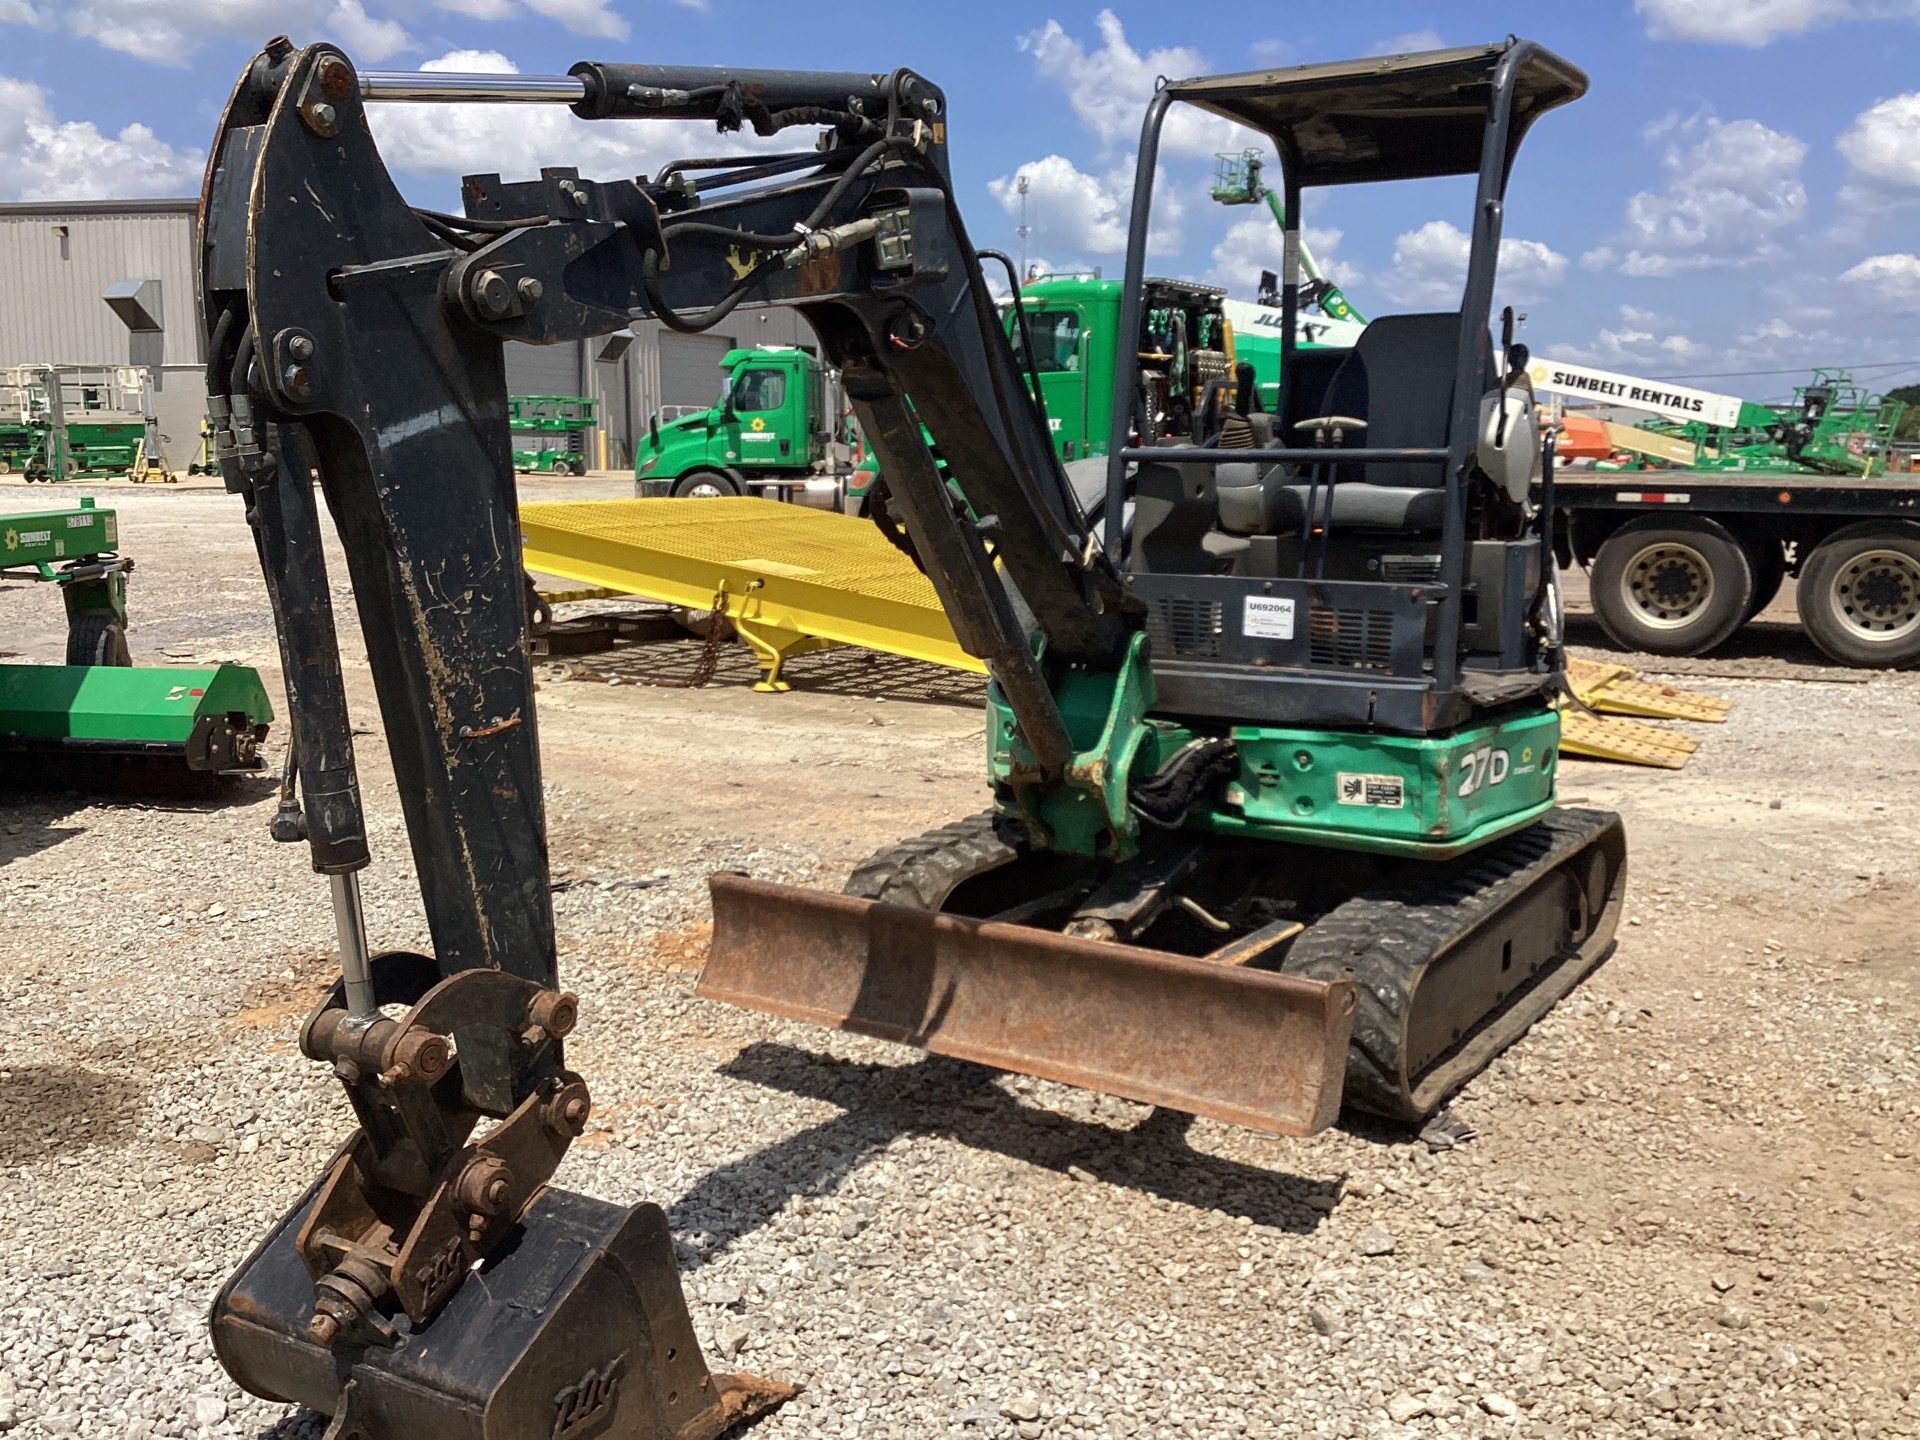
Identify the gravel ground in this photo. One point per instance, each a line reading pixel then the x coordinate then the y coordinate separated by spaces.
pixel 1686 1203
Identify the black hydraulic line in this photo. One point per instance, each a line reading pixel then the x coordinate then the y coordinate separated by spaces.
pixel 725 306
pixel 218 361
pixel 242 363
pixel 1026 335
pixel 794 160
pixel 706 319
pixel 463 222
pixel 990 335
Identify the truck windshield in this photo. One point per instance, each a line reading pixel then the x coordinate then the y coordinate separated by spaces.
pixel 761 390
pixel 1056 340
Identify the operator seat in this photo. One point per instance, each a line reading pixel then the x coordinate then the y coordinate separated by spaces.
pixel 1399 379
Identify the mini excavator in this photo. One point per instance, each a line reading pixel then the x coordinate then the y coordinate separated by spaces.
pixel 1271 728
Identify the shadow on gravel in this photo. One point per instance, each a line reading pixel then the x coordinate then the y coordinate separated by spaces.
pixel 157 783
pixel 52 1109
pixel 939 1096
pixel 29 826
pixel 1778 641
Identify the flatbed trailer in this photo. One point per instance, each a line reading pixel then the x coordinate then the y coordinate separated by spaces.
pixel 1680 560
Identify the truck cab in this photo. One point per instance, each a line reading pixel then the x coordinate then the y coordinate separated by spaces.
pixel 768 433
pixel 1186 345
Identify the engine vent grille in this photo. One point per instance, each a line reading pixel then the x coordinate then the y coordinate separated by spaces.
pixel 1354 639
pixel 1410 569
pixel 1180 626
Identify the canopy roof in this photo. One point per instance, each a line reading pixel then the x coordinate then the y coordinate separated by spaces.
pixel 1396 117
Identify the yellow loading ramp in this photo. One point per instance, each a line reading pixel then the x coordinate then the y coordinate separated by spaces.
pixel 795 580
pixel 1616 690
pixel 792 580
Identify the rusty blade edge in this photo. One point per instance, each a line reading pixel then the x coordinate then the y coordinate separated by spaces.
pixel 1297 996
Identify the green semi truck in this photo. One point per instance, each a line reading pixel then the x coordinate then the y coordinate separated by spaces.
pixel 775 431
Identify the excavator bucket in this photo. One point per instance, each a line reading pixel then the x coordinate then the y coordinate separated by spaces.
pixel 1208 1038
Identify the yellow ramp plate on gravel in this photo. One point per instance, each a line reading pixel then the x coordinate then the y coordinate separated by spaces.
pixel 1624 740
pixel 785 569
pixel 1616 690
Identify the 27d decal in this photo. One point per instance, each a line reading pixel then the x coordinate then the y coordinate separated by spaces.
pixel 1485 766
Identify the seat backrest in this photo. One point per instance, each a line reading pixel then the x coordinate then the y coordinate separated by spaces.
pixel 1399 379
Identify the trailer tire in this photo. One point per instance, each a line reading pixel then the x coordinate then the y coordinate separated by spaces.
pixel 1769 566
pixel 1671 586
pixel 1859 595
pixel 97 640
pixel 709 484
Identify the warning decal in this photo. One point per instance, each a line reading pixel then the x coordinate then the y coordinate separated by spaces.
pixel 1387 791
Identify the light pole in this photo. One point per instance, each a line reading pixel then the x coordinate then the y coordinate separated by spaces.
pixel 1025 229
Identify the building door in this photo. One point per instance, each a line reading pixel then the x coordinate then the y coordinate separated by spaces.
pixel 690 370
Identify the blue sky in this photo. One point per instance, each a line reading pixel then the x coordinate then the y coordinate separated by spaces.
pixel 1739 192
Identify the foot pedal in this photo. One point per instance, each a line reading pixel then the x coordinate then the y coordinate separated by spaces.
pixel 575 1329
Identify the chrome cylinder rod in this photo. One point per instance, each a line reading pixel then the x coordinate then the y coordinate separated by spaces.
pixel 447 87
pixel 356 964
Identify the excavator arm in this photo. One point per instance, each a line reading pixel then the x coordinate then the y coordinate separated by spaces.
pixel 357 342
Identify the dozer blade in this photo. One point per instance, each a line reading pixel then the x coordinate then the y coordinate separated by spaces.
pixel 577 1331
pixel 1247 1046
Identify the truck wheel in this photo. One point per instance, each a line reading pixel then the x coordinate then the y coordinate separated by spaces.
pixel 1860 595
pixel 708 485
pixel 1671 586
pixel 1769 567
pixel 97 640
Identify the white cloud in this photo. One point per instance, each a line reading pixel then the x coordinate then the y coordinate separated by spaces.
pixel 1430 267
pixel 168 32
pixel 585 17
pixel 1643 341
pixel 1409 43
pixel 1755 23
pixel 1078 214
pixel 1890 282
pixel 1066 208
pixel 42 158
pixel 1254 244
pixel 1728 193
pixel 1109 88
pixel 1882 146
pixel 516 140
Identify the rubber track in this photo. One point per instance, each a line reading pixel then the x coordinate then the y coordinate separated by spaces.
pixel 1385 938
pixel 922 872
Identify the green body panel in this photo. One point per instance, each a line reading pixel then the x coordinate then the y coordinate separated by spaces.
pixel 116 702
pixel 1106 719
pixel 770 422
pixel 55 536
pixel 1432 797
pixel 1392 794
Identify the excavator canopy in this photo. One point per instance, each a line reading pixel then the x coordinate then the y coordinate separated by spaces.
pixel 1397 117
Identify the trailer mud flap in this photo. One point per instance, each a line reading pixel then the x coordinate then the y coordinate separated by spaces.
pixel 1247 1046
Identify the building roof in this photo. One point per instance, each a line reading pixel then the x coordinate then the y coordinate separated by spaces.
pixel 103 208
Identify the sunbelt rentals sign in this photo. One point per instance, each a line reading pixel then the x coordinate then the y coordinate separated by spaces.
pixel 1659 397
